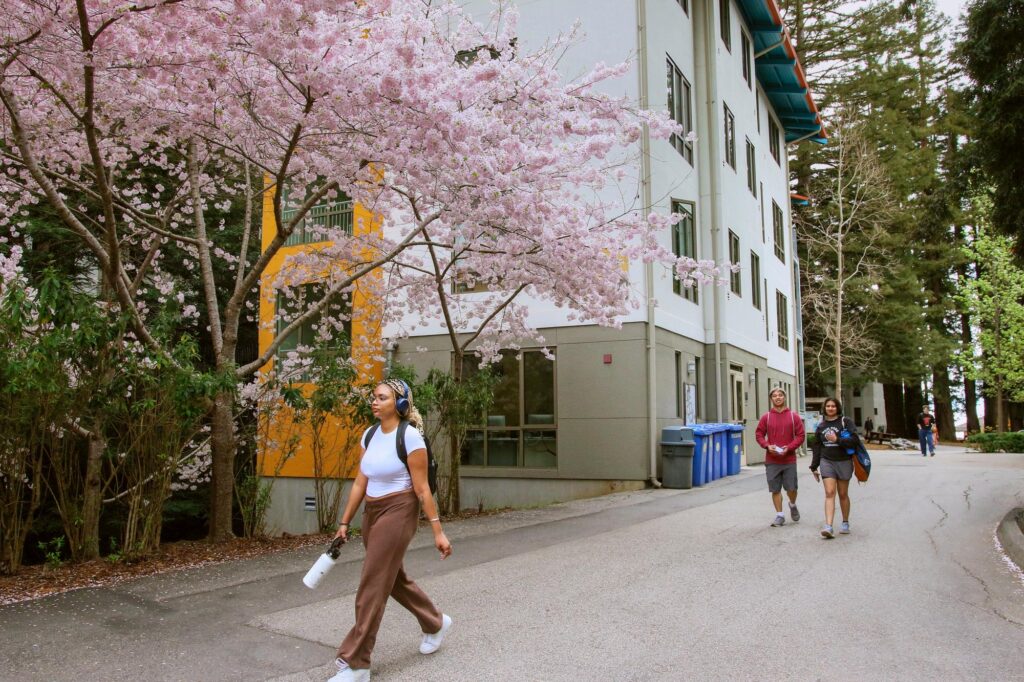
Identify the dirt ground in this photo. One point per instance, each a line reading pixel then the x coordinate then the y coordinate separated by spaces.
pixel 33 582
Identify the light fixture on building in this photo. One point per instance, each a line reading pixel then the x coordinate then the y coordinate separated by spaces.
pixel 750 378
pixel 691 367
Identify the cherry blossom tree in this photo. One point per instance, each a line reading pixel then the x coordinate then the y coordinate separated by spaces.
pixel 139 124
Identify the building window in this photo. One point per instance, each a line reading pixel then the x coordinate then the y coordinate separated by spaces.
pixel 314 227
pixel 765 290
pixel 858 416
pixel 726 19
pixel 520 429
pixel 685 5
pixel 295 302
pixel 779 232
pixel 782 319
pixel 755 280
pixel 856 392
pixel 751 168
pixel 684 243
pixel 735 282
pixel 773 140
pixel 680 111
pixel 730 137
pixel 745 43
pixel 762 212
pixel 699 410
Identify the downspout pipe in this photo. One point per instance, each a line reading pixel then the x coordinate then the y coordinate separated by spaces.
pixel 714 162
pixel 650 345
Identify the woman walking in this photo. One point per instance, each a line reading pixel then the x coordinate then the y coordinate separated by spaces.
pixel 830 452
pixel 393 492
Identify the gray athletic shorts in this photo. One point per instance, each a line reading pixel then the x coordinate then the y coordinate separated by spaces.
pixel 841 470
pixel 780 476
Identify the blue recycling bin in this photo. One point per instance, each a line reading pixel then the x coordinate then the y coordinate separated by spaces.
pixel 721 451
pixel 710 459
pixel 703 453
pixel 735 448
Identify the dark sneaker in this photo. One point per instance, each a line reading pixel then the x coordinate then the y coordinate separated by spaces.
pixel 780 520
pixel 794 513
pixel 827 533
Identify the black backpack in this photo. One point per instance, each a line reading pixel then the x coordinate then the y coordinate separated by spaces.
pixel 404 456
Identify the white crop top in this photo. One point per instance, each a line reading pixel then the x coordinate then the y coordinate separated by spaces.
pixel 385 473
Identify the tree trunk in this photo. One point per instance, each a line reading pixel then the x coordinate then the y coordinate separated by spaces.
pixel 92 498
pixel 894 408
pixel 943 403
pixel 222 483
pixel 451 499
pixel 970 385
pixel 1000 409
pixel 990 413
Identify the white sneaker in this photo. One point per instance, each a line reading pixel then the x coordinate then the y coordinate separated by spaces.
pixel 432 642
pixel 347 674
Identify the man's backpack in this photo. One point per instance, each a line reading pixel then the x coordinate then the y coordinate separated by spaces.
pixel 404 456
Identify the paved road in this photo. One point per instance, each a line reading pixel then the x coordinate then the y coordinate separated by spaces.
pixel 655 585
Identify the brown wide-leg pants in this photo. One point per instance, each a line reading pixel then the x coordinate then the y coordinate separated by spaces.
pixel 389 523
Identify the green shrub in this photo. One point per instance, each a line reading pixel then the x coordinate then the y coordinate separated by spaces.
pixel 997 442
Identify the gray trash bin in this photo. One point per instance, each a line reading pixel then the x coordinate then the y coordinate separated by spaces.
pixel 677 457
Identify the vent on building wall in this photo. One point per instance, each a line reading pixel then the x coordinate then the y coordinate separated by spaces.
pixel 310 503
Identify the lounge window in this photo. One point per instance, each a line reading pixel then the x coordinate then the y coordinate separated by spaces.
pixel 751 168
pixel 735 281
pixel 679 109
pixel 730 136
pixel 782 319
pixel 520 429
pixel 779 232
pixel 755 280
pixel 684 243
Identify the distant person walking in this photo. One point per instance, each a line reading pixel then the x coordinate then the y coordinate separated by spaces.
pixel 832 437
pixel 869 425
pixel 925 426
pixel 780 432
pixel 394 492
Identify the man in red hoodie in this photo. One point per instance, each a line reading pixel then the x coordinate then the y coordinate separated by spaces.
pixel 780 432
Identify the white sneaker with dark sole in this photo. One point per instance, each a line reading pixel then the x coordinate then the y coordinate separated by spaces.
pixel 432 641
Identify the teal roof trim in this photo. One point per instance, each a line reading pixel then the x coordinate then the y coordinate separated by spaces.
pixel 780 73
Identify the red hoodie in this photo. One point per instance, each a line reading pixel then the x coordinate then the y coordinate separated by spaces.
pixel 783 428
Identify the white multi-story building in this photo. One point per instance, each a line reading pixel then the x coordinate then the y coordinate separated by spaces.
pixel 590 420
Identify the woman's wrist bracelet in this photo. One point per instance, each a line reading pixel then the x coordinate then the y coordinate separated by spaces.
pixel 344 523
pixel 436 519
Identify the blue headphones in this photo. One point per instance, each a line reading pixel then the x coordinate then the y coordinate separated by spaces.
pixel 402 401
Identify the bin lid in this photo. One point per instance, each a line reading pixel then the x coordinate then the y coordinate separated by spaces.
pixel 708 429
pixel 673 435
pixel 736 427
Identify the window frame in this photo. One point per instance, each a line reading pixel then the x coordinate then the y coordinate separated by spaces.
pixel 729 126
pixel 755 280
pixel 782 319
pixel 725 23
pixel 748 68
pixel 773 140
pixel 680 108
pixel 681 236
pixel 735 275
pixel 751 167
pixel 778 231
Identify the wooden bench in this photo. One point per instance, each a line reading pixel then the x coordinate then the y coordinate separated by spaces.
pixel 880 436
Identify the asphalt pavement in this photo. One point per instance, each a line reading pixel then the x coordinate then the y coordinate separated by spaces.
pixel 648 585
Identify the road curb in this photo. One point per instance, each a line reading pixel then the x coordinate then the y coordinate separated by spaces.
pixel 1011 535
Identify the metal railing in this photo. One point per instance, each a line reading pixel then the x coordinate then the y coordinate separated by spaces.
pixel 319 219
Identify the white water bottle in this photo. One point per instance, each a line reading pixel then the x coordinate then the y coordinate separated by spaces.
pixel 323 564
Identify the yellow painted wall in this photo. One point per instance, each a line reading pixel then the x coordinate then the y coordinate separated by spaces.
pixel 340 445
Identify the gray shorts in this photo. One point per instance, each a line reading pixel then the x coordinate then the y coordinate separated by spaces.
pixel 841 470
pixel 780 476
